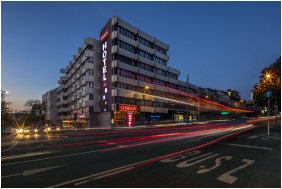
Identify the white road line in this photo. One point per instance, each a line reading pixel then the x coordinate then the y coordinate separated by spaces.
pixel 112 171
pixel 50 158
pixel 12 175
pixel 252 137
pixel 248 146
pixel 265 138
pixel 24 155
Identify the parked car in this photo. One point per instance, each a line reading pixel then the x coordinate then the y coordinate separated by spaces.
pixel 9 130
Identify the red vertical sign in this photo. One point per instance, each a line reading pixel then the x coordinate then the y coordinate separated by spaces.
pixel 129 119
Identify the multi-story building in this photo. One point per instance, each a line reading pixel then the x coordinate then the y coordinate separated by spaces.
pixel 134 71
pixel 124 79
pixel 49 99
pixel 78 93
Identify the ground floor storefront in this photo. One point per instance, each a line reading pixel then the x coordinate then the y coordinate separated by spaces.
pixel 121 118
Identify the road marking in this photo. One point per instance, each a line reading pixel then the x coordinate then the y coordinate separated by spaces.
pixel 248 146
pixel 179 157
pixel 105 173
pixel 265 138
pixel 184 164
pixel 217 164
pixel 50 158
pixel 226 177
pixel 252 137
pixel 24 155
pixel 32 171
pixel 14 144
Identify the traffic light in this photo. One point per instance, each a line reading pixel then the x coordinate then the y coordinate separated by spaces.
pixel 229 92
pixel 265 109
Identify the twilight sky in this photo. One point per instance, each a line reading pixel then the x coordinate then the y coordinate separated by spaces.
pixel 221 45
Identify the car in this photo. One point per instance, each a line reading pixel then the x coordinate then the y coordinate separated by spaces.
pixel 10 130
pixel 20 131
pixel 32 130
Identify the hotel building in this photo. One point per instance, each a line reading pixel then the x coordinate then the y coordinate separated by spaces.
pixel 124 79
pixel 135 74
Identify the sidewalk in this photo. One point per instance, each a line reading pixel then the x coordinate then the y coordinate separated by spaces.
pixel 271 177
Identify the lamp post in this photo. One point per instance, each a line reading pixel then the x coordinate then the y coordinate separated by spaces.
pixel 145 88
pixel 268 76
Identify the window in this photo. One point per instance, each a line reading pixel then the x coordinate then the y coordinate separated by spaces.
pixel 126 32
pixel 91 84
pixel 144 42
pixel 125 60
pixel 159 60
pixel 125 46
pixel 159 49
pixel 145 66
pixel 90 96
pixel 90 47
pixel 90 72
pixel 144 54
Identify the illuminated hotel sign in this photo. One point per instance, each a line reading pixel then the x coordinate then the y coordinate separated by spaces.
pixel 105 69
pixel 104 36
pixel 128 108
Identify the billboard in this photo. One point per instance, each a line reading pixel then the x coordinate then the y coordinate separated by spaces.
pixel 105 68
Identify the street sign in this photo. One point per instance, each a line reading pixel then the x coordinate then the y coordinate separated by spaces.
pixel 268 94
pixel 275 106
pixel 275 110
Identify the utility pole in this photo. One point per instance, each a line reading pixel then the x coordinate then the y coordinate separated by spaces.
pixel 187 98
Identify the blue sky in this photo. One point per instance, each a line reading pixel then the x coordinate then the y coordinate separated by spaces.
pixel 221 45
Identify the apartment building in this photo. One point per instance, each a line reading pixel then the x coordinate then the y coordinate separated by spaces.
pixel 49 99
pixel 78 93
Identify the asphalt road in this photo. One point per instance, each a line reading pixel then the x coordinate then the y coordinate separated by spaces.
pixel 220 154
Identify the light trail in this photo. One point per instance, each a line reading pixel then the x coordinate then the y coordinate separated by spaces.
pixel 190 149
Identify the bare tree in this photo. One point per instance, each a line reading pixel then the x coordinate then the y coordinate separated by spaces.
pixel 38 108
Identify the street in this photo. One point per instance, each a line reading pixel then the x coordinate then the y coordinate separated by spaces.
pixel 235 153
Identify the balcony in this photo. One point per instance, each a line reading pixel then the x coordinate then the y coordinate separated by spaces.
pixel 88 53
pixel 63 78
pixel 63 70
pixel 88 103
pixel 146 73
pixel 174 71
pixel 63 94
pixel 173 81
pixel 163 67
pixel 162 56
pixel 124 80
pixel 161 77
pixel 146 49
pixel 122 65
pixel 146 61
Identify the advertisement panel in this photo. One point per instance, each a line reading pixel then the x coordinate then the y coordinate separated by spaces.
pixel 81 116
pixel 129 119
pixel 105 68
pixel 128 108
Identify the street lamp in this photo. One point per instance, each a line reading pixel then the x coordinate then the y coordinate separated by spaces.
pixel 145 88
